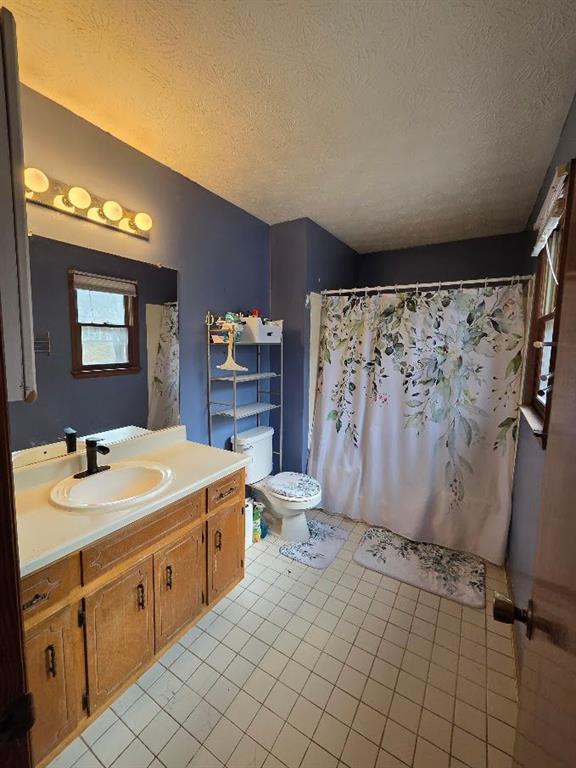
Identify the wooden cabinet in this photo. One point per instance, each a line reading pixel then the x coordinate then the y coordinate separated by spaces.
pixel 98 618
pixel 225 549
pixel 179 585
pixel 113 550
pixel 119 631
pixel 55 668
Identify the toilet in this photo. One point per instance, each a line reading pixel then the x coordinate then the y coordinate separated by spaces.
pixel 286 495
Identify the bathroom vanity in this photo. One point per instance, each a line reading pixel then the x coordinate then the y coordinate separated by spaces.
pixel 118 588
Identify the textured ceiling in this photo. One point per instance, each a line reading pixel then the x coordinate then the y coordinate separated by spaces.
pixel 389 122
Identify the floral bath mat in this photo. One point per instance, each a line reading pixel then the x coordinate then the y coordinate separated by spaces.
pixel 321 548
pixel 445 572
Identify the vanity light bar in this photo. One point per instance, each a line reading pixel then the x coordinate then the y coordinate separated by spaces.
pixel 77 201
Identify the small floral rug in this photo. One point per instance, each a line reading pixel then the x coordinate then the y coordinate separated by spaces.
pixel 445 572
pixel 321 548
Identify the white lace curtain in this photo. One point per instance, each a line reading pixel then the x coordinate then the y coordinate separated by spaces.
pixel 164 408
pixel 416 413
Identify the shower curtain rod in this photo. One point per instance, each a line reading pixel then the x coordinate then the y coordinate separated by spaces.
pixel 438 284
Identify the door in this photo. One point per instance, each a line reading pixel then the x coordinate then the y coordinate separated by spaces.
pixel 546 731
pixel 225 549
pixel 15 285
pixel 14 743
pixel 15 709
pixel 179 585
pixel 55 666
pixel 119 632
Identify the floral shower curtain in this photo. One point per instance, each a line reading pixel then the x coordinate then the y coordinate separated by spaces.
pixel 416 412
pixel 164 409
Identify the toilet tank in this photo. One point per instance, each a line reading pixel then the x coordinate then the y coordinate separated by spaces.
pixel 256 443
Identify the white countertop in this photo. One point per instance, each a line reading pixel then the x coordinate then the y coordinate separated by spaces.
pixel 47 533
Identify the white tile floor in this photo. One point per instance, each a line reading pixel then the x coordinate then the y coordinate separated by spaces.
pixel 299 668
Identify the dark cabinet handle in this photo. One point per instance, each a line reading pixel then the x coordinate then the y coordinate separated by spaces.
pixel 225 494
pixel 169 577
pixel 51 660
pixel 218 540
pixel 38 598
pixel 141 597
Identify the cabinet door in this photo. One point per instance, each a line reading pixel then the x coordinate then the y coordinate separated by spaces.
pixel 179 585
pixel 225 549
pixel 119 631
pixel 54 653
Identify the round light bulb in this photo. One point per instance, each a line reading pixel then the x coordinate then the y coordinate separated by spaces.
pixel 143 221
pixel 36 180
pixel 79 197
pixel 112 210
pixel 95 215
pixel 63 204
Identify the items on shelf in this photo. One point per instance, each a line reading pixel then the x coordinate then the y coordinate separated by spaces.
pixel 258 509
pixel 246 328
pixel 229 394
pixel 230 364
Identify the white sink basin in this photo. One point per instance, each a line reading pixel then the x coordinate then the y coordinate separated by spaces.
pixel 125 483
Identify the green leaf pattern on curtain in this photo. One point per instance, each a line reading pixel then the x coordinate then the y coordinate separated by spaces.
pixel 437 342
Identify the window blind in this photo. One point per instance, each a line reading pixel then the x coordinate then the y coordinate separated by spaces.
pixel 552 209
pixel 90 282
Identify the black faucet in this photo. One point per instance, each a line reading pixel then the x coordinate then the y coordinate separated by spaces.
pixel 70 437
pixel 92 451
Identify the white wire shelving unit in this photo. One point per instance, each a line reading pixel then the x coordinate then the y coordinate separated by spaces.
pixel 269 385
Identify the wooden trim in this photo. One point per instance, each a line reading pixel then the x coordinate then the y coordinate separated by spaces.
pixel 132 324
pixel 534 356
pixel 13 677
pixel 99 372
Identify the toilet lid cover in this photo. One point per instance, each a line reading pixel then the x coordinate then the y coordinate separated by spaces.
pixel 293 485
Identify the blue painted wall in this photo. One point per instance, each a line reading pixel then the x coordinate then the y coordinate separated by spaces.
pixel 498 256
pixel 220 251
pixel 88 405
pixel 304 257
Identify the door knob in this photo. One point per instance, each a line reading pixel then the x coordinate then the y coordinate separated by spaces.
pixel 504 610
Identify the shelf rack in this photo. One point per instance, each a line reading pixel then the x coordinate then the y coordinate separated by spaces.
pixel 233 410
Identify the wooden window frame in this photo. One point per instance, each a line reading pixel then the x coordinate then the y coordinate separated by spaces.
pixel 567 227
pixel 131 315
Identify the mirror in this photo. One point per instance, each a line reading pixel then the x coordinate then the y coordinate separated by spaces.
pixel 106 347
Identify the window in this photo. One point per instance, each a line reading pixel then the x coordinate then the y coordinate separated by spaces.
pixel 104 325
pixel 550 248
pixel 544 313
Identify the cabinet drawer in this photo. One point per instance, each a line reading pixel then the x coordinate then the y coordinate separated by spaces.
pixel 49 585
pixel 113 550
pixel 225 491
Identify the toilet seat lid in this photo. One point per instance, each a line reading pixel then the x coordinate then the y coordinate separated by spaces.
pixel 294 485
